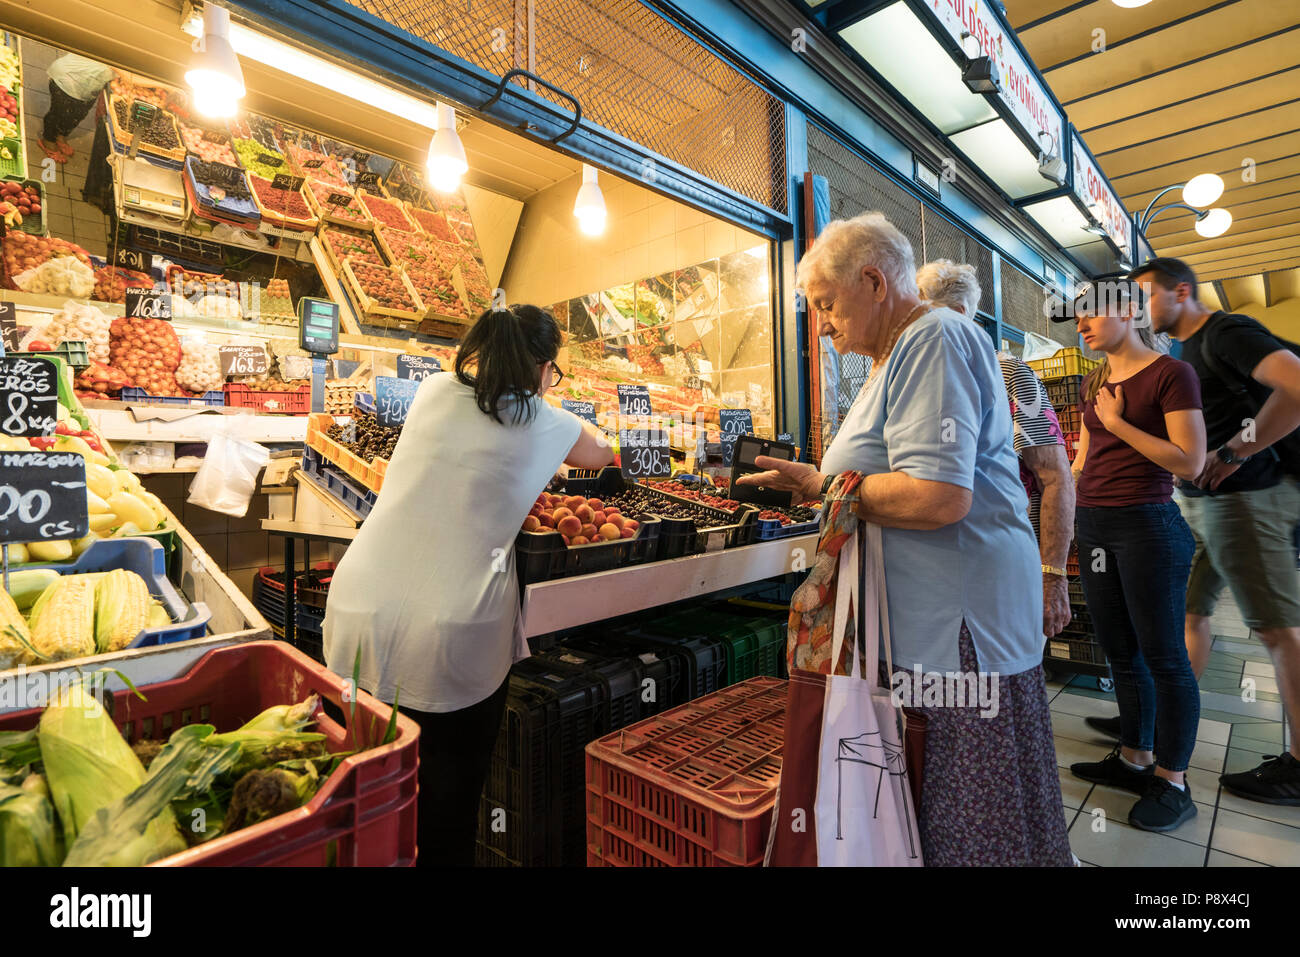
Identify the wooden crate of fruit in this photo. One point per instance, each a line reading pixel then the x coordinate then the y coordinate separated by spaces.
pixel 351 214
pixel 385 211
pixel 341 244
pixel 318 425
pixel 398 300
pixel 283 208
pixel 164 139
pixel 433 223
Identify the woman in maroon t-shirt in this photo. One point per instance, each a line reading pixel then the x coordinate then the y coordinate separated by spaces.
pixel 1141 422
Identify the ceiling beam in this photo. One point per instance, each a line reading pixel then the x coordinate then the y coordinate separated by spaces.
pixel 1268 290
pixel 1223 296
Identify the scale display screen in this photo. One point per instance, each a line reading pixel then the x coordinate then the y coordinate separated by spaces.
pixel 318 325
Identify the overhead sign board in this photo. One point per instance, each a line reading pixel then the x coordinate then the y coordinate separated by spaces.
pixel 1099 198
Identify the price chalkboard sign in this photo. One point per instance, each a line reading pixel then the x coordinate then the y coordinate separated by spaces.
pixel 735 423
pixel 416 368
pixel 29 395
pixel 149 305
pixel 313 164
pixel 633 401
pixel 267 159
pixel 339 199
pixel 368 180
pixel 785 437
pixel 644 453
pixel 9 326
pixel 583 410
pixel 42 496
pixel 287 182
pixel 132 259
pixel 243 360
pixel 694 382
pixel 393 398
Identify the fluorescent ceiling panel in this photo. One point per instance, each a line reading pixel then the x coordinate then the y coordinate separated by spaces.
pixel 1062 221
pixel 904 51
pixel 1001 155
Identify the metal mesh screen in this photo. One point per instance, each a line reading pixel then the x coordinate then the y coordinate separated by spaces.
pixel 1022 301
pixel 944 239
pixel 634 73
pixel 858 187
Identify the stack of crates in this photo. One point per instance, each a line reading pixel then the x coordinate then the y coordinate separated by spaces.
pixel 593 682
pixel 1076 647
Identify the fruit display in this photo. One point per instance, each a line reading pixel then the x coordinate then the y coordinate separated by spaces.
pixel 638 498
pixel 211 146
pixel 200 368
pixel 221 180
pixel 99 380
pixel 325 198
pixel 148 351
pixel 272 303
pixel 465 229
pixel 40 256
pixel 111 283
pixel 127 88
pixel 19 202
pixel 373 441
pixel 288 204
pixel 385 288
pixel 317 166
pixel 11 68
pixel 386 211
pixel 259 160
pixel 433 223
pixel 582 521
pixel 268 383
pixel 158 130
pixel 8 112
pixel 351 247
pixel 703 495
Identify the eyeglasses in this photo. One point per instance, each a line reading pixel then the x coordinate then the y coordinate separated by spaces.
pixel 558 375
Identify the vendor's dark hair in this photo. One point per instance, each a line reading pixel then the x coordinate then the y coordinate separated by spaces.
pixel 504 347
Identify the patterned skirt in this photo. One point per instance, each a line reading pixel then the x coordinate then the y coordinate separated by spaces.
pixel 991 793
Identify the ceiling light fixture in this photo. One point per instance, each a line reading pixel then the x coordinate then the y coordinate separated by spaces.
pixel 1203 189
pixel 590 204
pixel 214 74
pixel 447 162
pixel 1198 192
pixel 1213 222
pixel 980 77
pixel 1130 4
pixel 1051 165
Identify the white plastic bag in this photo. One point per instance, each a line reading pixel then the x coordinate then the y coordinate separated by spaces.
pixel 61 276
pixel 1039 347
pixel 227 478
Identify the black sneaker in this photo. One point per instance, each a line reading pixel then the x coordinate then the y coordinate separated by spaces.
pixel 1276 781
pixel 1163 807
pixel 1107 726
pixel 1112 771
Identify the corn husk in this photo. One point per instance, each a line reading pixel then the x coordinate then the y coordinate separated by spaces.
pixel 89 766
pixel 28 834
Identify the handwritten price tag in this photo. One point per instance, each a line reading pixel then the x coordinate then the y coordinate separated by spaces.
pixel 243 360
pixel 393 398
pixel 29 396
pixel 42 496
pixel 645 453
pixel 633 401
pixel 735 423
pixel 583 410
pixel 417 368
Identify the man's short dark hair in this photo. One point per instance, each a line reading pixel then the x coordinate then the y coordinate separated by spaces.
pixel 1169 272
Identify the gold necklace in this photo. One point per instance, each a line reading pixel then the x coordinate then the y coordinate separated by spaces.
pixel 879 364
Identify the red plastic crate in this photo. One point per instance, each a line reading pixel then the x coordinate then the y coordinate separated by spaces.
pixel 1071 445
pixel 241 396
pixel 364 813
pixel 692 787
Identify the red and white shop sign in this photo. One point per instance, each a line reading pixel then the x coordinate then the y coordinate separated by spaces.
pixel 1022 92
pixel 1096 194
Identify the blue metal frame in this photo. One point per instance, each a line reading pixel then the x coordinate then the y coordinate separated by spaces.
pixel 412 63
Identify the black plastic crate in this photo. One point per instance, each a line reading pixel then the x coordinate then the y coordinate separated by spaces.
pixel 664 683
pixel 1075 587
pixel 705 658
pixel 543 556
pixel 1074 649
pixel 621 675
pixel 677 537
pixel 1064 392
pixel 314 586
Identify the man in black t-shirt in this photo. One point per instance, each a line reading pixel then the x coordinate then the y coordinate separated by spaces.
pixel 1245 505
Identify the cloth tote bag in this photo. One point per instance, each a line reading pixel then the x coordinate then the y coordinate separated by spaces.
pixel 845 798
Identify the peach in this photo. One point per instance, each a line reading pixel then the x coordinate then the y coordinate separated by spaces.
pixel 579 540
pixel 598 519
pixel 617 520
pixel 566 540
pixel 585 512
pixel 531 524
pixel 613 510
pixel 596 504
pixel 560 513
pixel 573 501
pixel 536 510
pixel 629 533
pixel 589 531
pixel 547 520
pixel 569 525
pixel 554 500
pixel 610 532
pixel 634 525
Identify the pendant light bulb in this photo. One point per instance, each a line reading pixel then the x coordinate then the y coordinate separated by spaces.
pixel 590 204
pixel 1214 223
pixel 447 162
pixel 1202 190
pixel 214 74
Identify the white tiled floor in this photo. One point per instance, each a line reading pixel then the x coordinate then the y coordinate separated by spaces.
pixel 1227 831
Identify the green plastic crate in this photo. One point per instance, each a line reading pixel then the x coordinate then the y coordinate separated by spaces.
pixel 754 646
pixel 75 353
pixel 16 167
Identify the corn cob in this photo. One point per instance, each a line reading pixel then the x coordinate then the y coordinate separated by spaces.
pixel 121 609
pixel 14 635
pixel 63 619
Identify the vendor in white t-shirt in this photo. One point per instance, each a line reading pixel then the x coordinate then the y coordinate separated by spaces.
pixel 75 81
pixel 427 593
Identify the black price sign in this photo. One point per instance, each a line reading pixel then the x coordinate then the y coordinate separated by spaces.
pixel 42 496
pixel 243 360
pixel 313 164
pixel 132 259
pixel 694 382
pixel 416 368
pixel 149 305
pixel 644 453
pixel 735 423
pixel 368 180
pixel 583 410
pixel 339 199
pixel 287 182
pixel 633 401
pixel 785 437
pixel 29 395
pixel 393 398
pixel 268 159
pixel 9 326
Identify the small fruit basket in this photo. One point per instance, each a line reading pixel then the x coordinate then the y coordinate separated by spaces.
pixel 340 245
pixel 337 204
pixel 383 293
pixel 25 200
pixel 282 208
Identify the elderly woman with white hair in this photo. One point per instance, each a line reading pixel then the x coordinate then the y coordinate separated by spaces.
pixel 1036 436
pixel 930 431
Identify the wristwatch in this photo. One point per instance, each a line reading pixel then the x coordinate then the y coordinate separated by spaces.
pixel 826 484
pixel 1053 570
pixel 1228 458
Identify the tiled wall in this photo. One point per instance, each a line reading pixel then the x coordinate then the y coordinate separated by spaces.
pixel 67 216
pixel 645 235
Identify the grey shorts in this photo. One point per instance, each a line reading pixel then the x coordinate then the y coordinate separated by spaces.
pixel 1246 541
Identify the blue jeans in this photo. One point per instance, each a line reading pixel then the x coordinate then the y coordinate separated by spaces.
pixel 1134 561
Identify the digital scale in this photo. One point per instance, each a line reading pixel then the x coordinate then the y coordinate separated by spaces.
pixel 143 187
pixel 318 333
